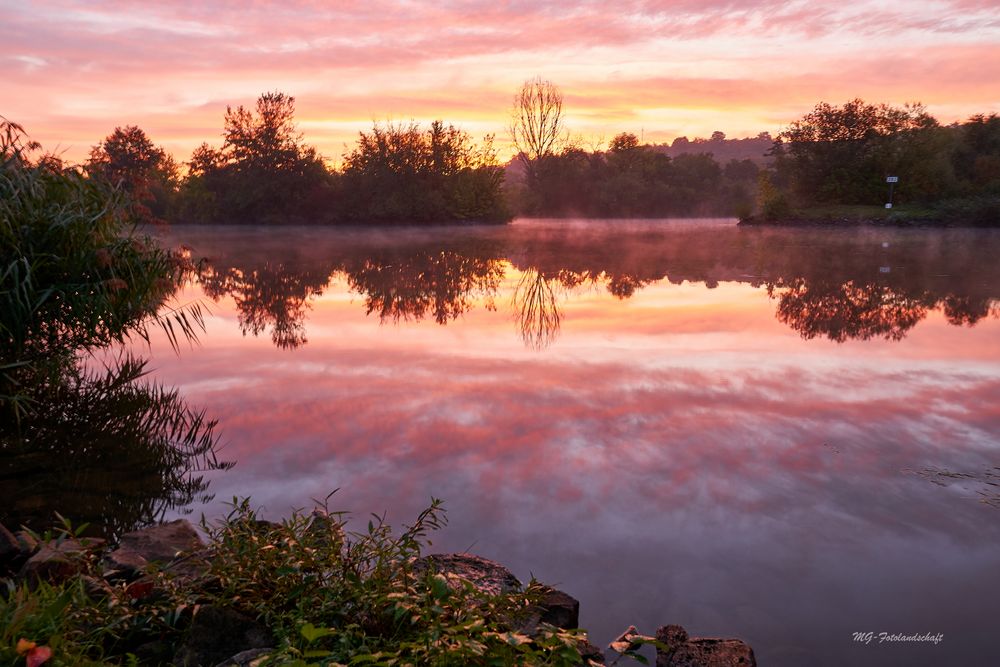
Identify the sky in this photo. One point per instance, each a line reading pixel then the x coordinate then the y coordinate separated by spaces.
pixel 70 72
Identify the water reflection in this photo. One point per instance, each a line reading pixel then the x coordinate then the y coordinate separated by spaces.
pixel 670 445
pixel 842 286
pixel 267 295
pixel 536 309
pixel 408 285
pixel 102 446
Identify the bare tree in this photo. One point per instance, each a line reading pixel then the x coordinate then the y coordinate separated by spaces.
pixel 536 122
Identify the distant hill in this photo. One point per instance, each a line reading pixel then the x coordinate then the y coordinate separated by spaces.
pixel 722 149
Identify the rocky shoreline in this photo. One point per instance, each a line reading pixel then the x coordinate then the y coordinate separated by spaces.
pixel 216 635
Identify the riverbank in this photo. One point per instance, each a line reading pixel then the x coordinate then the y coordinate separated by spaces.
pixel 967 212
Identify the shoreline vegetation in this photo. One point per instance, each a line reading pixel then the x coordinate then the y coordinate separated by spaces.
pixel 303 592
pixel 972 212
pixel 832 166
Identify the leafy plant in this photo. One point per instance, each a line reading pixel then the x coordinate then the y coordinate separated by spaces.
pixel 329 595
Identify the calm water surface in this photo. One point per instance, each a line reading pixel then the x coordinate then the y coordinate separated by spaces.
pixel 786 436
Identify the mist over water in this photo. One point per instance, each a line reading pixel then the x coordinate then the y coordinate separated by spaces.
pixel 783 435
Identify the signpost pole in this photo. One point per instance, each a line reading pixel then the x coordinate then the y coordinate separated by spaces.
pixel 891 180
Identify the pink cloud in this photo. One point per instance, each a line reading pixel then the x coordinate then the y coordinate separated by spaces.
pixel 74 70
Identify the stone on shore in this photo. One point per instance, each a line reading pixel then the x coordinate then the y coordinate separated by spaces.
pixel 217 633
pixel 160 544
pixel 686 651
pixel 488 576
pixel 9 546
pixel 57 560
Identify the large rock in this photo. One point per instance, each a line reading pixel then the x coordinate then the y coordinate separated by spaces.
pixel 160 544
pixel 58 560
pixel 216 633
pixel 10 552
pixel 559 609
pixel 9 546
pixel 685 651
pixel 488 576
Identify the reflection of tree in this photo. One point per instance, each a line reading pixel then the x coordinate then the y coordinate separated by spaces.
pixel 849 310
pixel 103 448
pixel 827 282
pixel 408 286
pixel 968 310
pixel 271 295
pixel 624 285
pixel 536 309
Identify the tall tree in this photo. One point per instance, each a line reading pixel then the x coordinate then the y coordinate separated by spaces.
pixel 536 123
pixel 127 158
pixel 263 172
pixel 842 154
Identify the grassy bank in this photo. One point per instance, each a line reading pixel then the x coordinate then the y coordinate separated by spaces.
pixel 964 212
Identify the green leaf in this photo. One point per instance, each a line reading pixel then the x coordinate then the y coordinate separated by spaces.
pixel 311 633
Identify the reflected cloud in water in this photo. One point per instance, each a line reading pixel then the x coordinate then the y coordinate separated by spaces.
pixel 676 423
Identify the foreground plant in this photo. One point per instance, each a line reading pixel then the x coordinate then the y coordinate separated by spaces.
pixel 325 594
pixel 366 597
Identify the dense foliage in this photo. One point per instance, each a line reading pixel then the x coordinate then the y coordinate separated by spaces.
pixel 76 277
pixel 631 180
pixel 75 274
pixel 129 160
pixel 327 595
pixel 843 155
pixel 401 173
pixel 262 173
pixel 398 173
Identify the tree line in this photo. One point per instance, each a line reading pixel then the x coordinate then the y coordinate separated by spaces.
pixel 400 172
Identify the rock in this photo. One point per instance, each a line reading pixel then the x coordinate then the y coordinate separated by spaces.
pixel 96 588
pixel 26 543
pixel 589 653
pixel 57 560
pixel 488 576
pixel 157 652
pixel 216 633
pixel 559 609
pixel 685 651
pixel 160 544
pixel 9 546
pixel 553 607
pixel 11 557
pixel 250 658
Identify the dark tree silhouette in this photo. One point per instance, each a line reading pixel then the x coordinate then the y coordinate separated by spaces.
pixel 536 122
pixel 127 158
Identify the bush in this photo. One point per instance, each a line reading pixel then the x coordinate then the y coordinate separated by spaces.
pixel 328 595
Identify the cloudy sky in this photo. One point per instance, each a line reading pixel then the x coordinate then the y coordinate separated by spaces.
pixel 72 71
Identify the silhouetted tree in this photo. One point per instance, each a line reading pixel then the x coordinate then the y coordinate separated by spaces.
pixel 399 173
pixel 536 123
pixel 127 158
pixel 263 172
pixel 843 154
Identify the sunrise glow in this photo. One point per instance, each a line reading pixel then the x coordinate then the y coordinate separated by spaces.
pixel 72 71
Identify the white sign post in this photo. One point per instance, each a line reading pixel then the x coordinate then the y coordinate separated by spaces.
pixel 891 180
